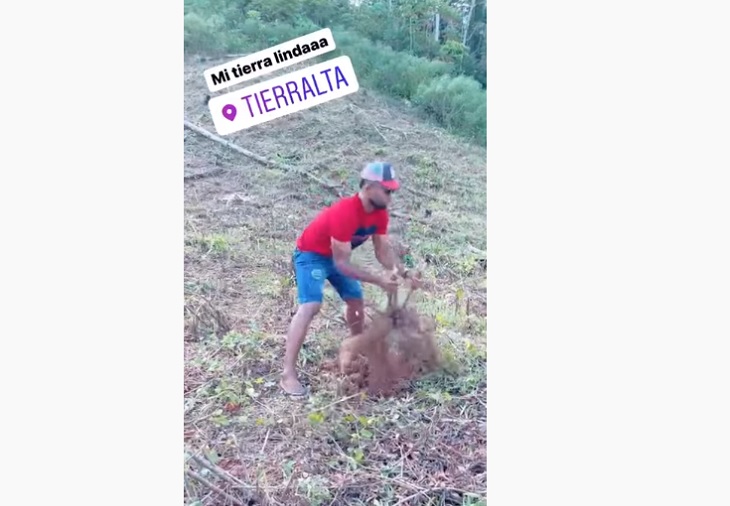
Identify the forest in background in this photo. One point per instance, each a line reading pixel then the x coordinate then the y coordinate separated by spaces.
pixel 429 53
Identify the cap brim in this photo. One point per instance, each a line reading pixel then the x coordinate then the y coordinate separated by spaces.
pixel 390 185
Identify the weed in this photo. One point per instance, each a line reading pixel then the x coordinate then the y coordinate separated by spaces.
pixel 211 244
pixel 314 489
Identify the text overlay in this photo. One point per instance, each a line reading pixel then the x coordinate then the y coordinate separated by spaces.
pixel 283 95
pixel 271 59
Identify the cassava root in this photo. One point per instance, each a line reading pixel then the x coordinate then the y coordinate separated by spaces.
pixel 398 345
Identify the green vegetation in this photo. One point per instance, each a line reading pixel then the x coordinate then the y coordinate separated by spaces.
pixel 431 53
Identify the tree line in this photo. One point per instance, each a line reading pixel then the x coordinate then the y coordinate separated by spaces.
pixel 429 52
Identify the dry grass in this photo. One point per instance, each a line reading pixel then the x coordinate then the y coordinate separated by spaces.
pixel 425 446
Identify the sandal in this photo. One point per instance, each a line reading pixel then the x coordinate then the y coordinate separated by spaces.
pixel 296 395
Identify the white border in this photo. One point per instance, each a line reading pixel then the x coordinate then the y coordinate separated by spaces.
pixel 609 254
pixel 91 263
pixel 608 268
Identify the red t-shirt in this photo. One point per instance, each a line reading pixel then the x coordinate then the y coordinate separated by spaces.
pixel 345 221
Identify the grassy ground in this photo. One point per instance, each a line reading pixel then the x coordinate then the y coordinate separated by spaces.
pixel 427 446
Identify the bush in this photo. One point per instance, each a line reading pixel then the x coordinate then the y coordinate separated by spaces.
pixel 203 35
pixel 458 103
pixel 382 68
pixel 260 36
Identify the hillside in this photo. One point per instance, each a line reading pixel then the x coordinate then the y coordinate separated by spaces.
pixel 241 220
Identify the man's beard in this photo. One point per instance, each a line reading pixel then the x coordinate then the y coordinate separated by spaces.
pixel 376 205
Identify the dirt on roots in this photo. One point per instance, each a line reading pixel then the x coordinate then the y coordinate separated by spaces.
pixel 398 346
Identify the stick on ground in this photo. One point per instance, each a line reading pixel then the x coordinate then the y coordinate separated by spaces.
pixel 201 175
pixel 219 472
pixel 214 488
pixel 260 159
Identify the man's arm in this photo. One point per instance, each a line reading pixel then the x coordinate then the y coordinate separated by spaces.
pixel 341 252
pixel 385 255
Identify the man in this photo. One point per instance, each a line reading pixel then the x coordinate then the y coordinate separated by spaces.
pixel 323 254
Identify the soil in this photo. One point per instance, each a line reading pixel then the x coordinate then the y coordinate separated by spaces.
pixel 398 346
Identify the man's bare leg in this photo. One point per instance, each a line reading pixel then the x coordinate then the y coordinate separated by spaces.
pixel 294 340
pixel 355 315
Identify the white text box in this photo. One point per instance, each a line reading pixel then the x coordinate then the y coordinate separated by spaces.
pixel 283 95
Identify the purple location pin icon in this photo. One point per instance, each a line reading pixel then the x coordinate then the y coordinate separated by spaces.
pixel 229 112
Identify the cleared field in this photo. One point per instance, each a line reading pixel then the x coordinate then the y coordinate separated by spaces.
pixel 241 219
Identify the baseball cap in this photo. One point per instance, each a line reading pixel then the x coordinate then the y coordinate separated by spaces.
pixel 381 172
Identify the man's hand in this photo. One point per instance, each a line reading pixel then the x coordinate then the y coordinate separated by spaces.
pixel 389 284
pixel 416 281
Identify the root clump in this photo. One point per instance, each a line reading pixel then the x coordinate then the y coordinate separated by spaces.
pixel 398 346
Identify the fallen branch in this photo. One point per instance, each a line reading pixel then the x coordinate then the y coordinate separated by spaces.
pixel 379 132
pixel 219 472
pixel 394 129
pixel 376 125
pixel 409 189
pixel 430 491
pixel 286 196
pixel 266 440
pixel 413 496
pixel 424 194
pixel 214 488
pixel 411 218
pixel 201 175
pixel 352 106
pixel 260 159
pixel 477 250
pixel 338 401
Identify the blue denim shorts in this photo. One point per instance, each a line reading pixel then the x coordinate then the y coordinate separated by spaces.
pixel 313 269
